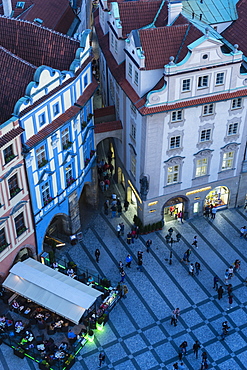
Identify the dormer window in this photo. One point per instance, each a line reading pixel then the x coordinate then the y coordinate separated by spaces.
pixel 20 5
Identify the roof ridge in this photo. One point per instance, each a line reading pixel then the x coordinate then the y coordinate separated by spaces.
pixel 182 43
pixel 38 25
pixel 16 57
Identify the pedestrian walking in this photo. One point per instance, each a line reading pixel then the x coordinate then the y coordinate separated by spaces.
pixel 220 292
pixel 204 364
pixel 101 359
pixel 225 329
pixel 126 205
pixel 129 238
pixel 102 185
pixel 191 269
pixel 181 216
pixel 180 352
pixel 139 263
pixel 139 255
pixel 216 280
pixel 175 366
pixel 196 347
pixel 119 209
pixel 230 301
pixel 204 355
pixel 120 266
pixel 113 211
pixel 122 274
pixel 148 244
pixel 226 277
pixel 185 257
pixel 118 230
pixel 188 252
pixel 243 231
pixel 229 290
pixel 198 268
pixel 125 291
pixel 185 345
pixel 137 232
pixel 213 213
pixel 177 312
pixel 106 207
pixel 97 254
pixel 195 242
pixel 181 366
pixel 230 271
pixel 122 228
pixel 128 261
pixel 236 267
pixel 133 235
pixel 173 319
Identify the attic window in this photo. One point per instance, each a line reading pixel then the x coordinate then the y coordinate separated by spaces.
pixel 20 4
pixel 38 20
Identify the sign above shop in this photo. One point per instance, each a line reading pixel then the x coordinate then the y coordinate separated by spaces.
pixel 198 190
pixel 152 203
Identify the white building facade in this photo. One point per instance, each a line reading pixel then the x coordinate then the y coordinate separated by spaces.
pixel 180 92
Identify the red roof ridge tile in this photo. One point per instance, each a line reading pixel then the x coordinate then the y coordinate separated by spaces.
pixel 6 138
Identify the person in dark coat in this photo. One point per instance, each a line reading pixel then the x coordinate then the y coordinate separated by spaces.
pixel 97 254
pixel 220 292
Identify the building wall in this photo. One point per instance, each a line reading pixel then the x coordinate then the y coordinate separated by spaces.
pixel 14 202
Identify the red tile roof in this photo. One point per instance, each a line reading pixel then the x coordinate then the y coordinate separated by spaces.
pixel 14 78
pixel 55 14
pixel 236 33
pixel 118 72
pixel 107 126
pixel 106 111
pixel 6 138
pixel 177 38
pixel 63 118
pixel 37 45
pixel 137 14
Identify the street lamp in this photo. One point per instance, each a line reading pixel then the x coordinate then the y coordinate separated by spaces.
pixel 169 239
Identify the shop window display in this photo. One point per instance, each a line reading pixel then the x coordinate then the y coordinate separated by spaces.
pixel 217 197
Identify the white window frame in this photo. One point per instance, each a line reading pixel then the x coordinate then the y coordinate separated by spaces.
pixel 40 154
pixel 68 173
pixel 219 79
pixel 55 109
pixel 130 70
pixel 42 119
pixel 136 80
pixel 186 84
pixel 205 134
pixel 133 131
pixel 208 109
pixel 227 160
pixel 203 82
pixel 175 142
pixel 232 129
pixel 133 164
pixel 45 191
pixel 173 174
pixel 201 167
pixel 236 103
pixel 176 115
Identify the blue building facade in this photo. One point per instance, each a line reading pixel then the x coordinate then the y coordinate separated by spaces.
pixel 57 116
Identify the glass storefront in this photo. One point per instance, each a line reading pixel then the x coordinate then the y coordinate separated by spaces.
pixel 217 197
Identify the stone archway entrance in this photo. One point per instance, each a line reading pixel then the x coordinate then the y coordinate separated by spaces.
pixel 173 206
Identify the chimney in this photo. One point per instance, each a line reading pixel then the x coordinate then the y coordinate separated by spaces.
pixel 7 8
pixel 174 9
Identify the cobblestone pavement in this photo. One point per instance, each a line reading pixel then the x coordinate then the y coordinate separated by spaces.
pixel 138 334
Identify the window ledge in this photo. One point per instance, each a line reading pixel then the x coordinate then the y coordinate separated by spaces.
pixel 174 183
pixel 226 170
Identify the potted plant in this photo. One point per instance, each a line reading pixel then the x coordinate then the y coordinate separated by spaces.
pixel 90 115
pixel 90 335
pixel 84 124
pixel 44 365
pixel 48 200
pixel 92 153
pixel 67 145
pixel 43 163
pixel 19 352
pixel 100 323
pixel 8 159
pixel 70 181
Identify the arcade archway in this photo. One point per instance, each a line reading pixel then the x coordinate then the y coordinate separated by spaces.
pixel 173 206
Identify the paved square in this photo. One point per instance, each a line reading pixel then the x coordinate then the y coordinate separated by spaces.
pixel 139 334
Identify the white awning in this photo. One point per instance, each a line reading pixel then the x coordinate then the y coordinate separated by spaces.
pixel 51 289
